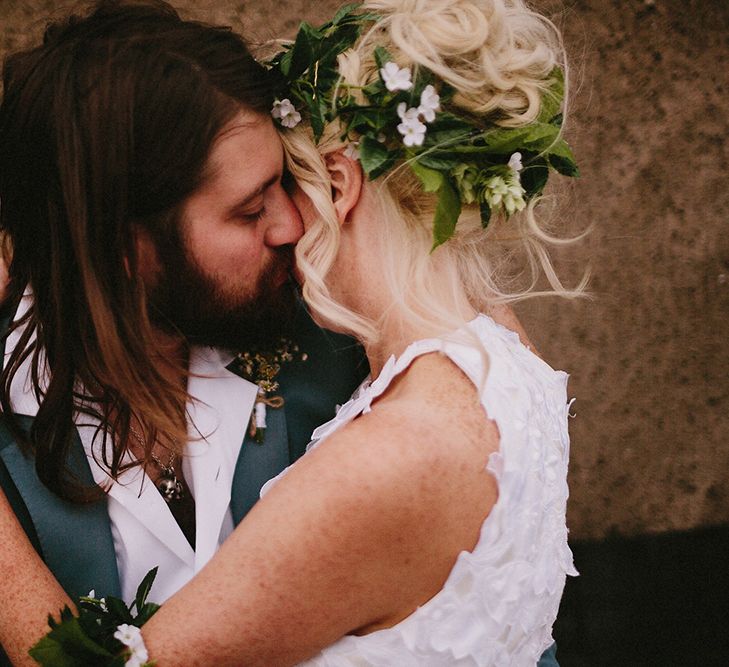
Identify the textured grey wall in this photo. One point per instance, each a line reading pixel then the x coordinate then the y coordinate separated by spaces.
pixel 647 355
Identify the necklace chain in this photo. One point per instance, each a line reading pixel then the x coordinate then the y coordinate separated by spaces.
pixel 168 484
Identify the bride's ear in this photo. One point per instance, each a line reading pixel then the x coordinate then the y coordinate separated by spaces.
pixel 346 177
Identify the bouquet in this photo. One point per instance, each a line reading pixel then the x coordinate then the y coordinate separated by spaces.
pixel 105 633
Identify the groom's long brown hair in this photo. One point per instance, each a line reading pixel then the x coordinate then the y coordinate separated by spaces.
pixel 104 129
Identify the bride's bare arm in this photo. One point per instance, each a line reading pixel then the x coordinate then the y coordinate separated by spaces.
pixel 27 588
pixel 360 532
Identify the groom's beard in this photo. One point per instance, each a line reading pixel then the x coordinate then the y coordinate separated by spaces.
pixel 206 309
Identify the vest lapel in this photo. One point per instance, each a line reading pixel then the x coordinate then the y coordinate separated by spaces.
pixel 259 463
pixel 75 539
pixel 311 390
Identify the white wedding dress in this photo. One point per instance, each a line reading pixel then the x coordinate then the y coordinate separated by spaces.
pixel 499 602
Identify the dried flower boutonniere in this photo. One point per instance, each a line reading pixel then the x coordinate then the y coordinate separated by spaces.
pixel 261 368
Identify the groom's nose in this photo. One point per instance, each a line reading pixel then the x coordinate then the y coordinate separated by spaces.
pixel 284 222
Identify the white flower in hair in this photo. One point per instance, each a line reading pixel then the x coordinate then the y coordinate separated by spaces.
pixel 396 78
pixel 494 191
pixel 515 163
pixel 352 150
pixel 407 115
pixel 286 113
pixel 412 129
pixel 429 103
pixel 514 199
pixel 412 134
pixel 509 194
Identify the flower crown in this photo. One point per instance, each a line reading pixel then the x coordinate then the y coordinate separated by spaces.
pixel 401 117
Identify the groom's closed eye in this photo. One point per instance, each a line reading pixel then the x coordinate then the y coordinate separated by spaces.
pixel 250 206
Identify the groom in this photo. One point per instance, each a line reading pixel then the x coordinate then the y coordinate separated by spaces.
pixel 145 199
pixel 143 193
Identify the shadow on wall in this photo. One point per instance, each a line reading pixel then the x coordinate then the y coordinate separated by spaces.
pixel 648 601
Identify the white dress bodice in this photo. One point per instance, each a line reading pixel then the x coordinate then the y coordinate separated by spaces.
pixel 499 603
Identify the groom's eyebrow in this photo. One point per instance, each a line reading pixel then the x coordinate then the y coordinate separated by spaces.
pixel 250 196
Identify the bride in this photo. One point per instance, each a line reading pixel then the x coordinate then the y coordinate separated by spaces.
pixel 426 523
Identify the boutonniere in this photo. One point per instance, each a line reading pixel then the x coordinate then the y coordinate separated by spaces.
pixel 261 368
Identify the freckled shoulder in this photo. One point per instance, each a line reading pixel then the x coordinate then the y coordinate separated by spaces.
pixel 422 449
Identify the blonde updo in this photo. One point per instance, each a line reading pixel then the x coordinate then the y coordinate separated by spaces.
pixel 498 56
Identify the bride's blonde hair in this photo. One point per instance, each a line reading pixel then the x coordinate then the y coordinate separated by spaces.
pixel 498 56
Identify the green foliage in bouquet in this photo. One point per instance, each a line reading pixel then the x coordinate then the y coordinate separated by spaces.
pixel 88 639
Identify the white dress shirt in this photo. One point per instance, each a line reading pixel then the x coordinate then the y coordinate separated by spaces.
pixel 145 533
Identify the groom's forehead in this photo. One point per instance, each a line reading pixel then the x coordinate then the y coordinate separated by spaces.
pixel 245 158
pixel 249 147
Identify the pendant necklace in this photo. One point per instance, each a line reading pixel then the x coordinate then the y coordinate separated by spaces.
pixel 168 484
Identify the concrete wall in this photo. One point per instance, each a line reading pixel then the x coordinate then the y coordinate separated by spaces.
pixel 647 355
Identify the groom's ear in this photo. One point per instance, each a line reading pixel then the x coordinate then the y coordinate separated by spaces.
pixel 346 177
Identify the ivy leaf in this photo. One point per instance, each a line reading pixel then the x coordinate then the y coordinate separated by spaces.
pixel 534 176
pixel 433 160
pixel 431 179
pixel 348 15
pixel 119 609
pixel 144 588
pixel 344 38
pixel 318 121
pixel 422 79
pixel 375 89
pixel 145 613
pixel 448 207
pixel 360 121
pixel 382 56
pixel 552 98
pixel 365 118
pixel 446 129
pixel 446 214
pixel 302 53
pixel 345 12
pixel 536 137
pixel 283 60
pixel 374 157
pixel 485 214
pixel 446 93
pixel 562 159
pixel 50 653
pixel 67 644
pixel 317 112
